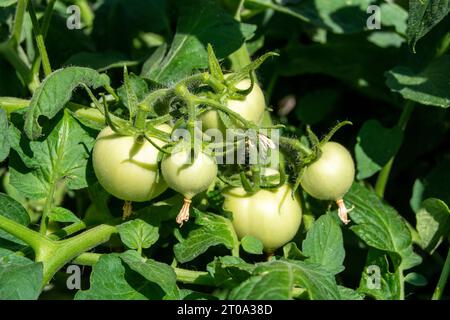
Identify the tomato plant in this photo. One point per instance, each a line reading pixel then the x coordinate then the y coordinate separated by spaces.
pixel 204 149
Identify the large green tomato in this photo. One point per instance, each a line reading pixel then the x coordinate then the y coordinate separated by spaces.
pixel 126 168
pixel 251 108
pixel 332 175
pixel 186 175
pixel 272 216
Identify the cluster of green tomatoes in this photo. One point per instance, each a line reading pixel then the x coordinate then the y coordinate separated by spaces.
pixel 139 164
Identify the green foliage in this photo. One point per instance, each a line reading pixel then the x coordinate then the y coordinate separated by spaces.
pixel 137 64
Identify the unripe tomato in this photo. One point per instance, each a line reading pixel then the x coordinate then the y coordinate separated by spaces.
pixel 127 169
pixel 251 108
pixel 332 175
pixel 186 175
pixel 272 216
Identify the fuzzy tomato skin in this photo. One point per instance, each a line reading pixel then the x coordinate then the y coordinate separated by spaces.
pixel 125 168
pixel 189 176
pixel 251 108
pixel 272 216
pixel 332 175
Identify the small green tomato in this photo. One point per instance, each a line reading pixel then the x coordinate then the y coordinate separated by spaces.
pixel 330 176
pixel 272 216
pixel 188 176
pixel 126 168
pixel 251 108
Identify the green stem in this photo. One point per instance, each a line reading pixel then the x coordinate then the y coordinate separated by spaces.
pixel 48 207
pixel 442 279
pixel 296 144
pixel 86 12
pixel 383 176
pixel 66 250
pixel 40 40
pixel 35 240
pixel 18 21
pixel 69 230
pixel 183 275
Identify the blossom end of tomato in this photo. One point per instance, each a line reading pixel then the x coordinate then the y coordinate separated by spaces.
pixel 183 215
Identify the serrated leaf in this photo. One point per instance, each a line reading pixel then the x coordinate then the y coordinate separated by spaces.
pixel 350 294
pixel 229 271
pixel 200 22
pixel 379 225
pixel 14 211
pixel 214 230
pixel 157 272
pixel 377 280
pixel 275 280
pixel 20 278
pixel 376 145
pixel 292 252
pixel 55 91
pixel 423 16
pixel 252 245
pixel 324 244
pixel 112 279
pixel 339 16
pixel 433 223
pixel 100 61
pixel 138 234
pixel 4 135
pixel 61 214
pixel 430 86
pixel 60 158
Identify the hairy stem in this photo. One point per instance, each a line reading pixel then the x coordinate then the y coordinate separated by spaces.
pixel 383 176
pixel 442 279
pixel 18 21
pixel 40 41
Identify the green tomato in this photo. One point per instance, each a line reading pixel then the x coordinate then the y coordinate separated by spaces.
pixel 127 169
pixel 330 176
pixel 251 108
pixel 186 175
pixel 272 216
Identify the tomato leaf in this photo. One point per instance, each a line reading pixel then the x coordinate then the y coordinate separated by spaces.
pixel 61 157
pixel 55 91
pixel 377 280
pixel 380 226
pixel 6 3
pixel 214 230
pixel 20 278
pixel 113 279
pixel 200 22
pixel 61 214
pixel 350 294
pixel 423 16
pixel 137 234
pixel 282 277
pixel 429 86
pixel 252 245
pixel 156 272
pixel 4 135
pixel 434 185
pixel 13 210
pixel 292 252
pixel 416 279
pixel 339 16
pixel 433 223
pixel 229 271
pixel 324 244
pixel 100 61
pixel 376 145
